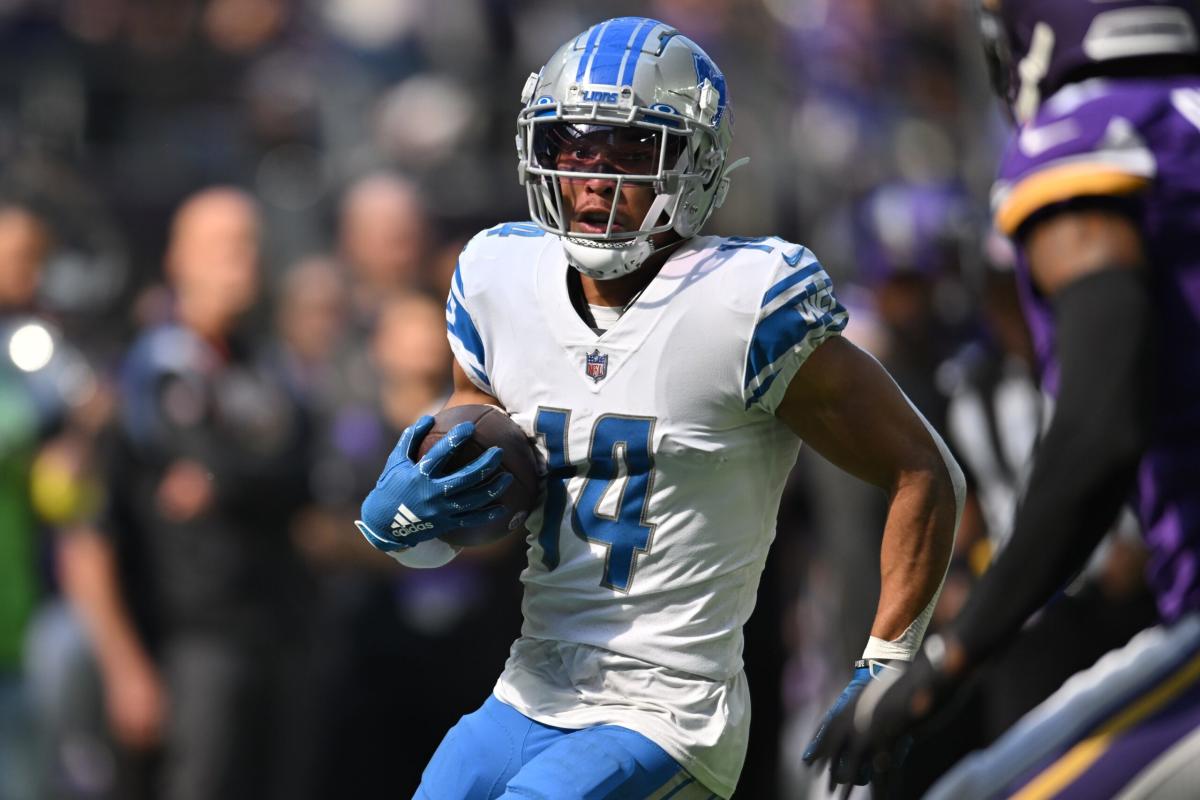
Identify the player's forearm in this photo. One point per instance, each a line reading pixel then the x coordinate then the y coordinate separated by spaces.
pixel 1086 464
pixel 917 542
pixel 88 572
pixel 849 409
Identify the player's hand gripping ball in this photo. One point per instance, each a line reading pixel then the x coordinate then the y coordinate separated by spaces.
pixel 493 428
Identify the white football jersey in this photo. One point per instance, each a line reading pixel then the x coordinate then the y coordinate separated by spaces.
pixel 666 460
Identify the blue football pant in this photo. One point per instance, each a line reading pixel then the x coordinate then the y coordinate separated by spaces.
pixel 497 752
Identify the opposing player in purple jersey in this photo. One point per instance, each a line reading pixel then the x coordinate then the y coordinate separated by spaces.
pixel 1100 189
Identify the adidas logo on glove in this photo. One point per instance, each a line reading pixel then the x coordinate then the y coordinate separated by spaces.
pixel 406 523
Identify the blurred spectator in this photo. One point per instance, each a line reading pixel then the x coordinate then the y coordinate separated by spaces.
pixel 24 246
pixel 331 374
pixel 412 358
pixel 911 243
pixel 192 593
pixel 44 382
pixel 241 26
pixel 383 239
pixel 313 312
pixel 27 349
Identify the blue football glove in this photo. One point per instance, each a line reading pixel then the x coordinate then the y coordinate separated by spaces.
pixel 841 771
pixel 881 739
pixel 410 505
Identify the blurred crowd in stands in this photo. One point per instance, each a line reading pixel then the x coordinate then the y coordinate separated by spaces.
pixel 227 229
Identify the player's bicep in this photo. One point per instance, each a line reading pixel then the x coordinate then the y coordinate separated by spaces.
pixel 1070 245
pixel 845 406
pixel 466 392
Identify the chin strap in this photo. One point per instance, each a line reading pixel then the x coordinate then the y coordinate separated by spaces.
pixel 606 262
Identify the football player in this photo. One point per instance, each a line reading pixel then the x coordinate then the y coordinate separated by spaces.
pixel 668 379
pixel 1101 191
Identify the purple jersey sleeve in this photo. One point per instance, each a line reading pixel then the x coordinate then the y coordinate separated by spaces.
pixel 1088 140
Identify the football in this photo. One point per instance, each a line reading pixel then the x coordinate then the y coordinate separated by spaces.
pixel 493 428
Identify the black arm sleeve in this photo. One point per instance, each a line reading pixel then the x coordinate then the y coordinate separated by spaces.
pixel 1086 465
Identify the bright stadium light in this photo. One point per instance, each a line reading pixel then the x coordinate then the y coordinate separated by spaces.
pixel 31 347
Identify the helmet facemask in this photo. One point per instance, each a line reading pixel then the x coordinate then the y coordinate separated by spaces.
pixel 624 87
pixel 625 145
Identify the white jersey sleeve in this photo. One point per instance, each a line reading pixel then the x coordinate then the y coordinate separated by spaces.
pixel 798 311
pixel 476 313
pixel 466 342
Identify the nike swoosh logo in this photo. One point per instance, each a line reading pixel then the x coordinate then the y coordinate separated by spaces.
pixel 1035 141
pixel 794 259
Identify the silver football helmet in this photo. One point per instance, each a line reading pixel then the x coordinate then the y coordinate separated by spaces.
pixel 639 85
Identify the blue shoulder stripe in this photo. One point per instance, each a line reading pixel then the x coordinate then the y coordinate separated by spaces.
pixel 786 327
pixel 458 280
pixel 789 282
pixel 461 327
pixel 760 391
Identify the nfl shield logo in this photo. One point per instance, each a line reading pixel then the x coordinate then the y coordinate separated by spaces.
pixel 597 365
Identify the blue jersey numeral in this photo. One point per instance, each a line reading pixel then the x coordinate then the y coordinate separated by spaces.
pixel 620 461
pixel 746 243
pixel 620 448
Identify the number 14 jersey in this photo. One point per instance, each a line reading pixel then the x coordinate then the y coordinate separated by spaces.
pixel 666 460
pixel 666 467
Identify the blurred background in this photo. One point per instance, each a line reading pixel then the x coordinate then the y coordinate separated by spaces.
pixel 227 229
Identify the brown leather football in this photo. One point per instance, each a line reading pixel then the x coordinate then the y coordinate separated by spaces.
pixel 493 428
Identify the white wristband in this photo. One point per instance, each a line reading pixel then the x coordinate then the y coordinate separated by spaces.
pixel 902 649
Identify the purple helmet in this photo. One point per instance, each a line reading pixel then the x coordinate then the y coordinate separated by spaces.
pixel 912 230
pixel 1036 46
